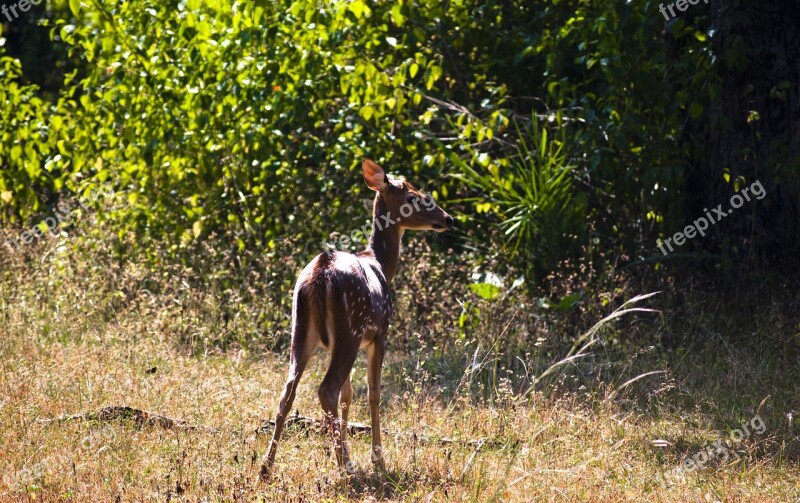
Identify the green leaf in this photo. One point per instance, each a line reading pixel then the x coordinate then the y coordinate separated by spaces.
pixel 367 112
pixel 434 74
pixel 567 302
pixel 487 285
pixel 397 15
pixel 16 153
pixel 357 8
pixel 486 291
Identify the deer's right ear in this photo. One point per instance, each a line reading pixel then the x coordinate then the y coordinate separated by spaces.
pixel 375 176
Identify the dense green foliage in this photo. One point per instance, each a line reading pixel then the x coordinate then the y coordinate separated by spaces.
pixel 564 125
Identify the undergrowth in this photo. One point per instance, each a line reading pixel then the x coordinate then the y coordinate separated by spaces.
pixel 564 408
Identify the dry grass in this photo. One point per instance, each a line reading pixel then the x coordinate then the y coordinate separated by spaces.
pixel 59 357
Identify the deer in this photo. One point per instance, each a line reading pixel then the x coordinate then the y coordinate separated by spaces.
pixel 342 302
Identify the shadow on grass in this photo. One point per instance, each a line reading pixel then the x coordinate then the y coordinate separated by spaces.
pixel 387 484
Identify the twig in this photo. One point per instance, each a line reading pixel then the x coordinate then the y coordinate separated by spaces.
pixel 303 423
pixel 295 421
pixel 125 413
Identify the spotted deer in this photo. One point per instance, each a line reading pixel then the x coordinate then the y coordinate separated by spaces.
pixel 342 302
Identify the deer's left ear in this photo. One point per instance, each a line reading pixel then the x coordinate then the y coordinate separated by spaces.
pixel 375 176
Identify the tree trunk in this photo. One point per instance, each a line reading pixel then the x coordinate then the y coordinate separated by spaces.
pixel 753 129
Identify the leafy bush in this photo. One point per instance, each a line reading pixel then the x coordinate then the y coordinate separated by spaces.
pixel 242 125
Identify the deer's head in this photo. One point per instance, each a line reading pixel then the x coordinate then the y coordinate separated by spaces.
pixel 404 205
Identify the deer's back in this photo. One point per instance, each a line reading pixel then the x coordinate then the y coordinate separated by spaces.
pixel 348 289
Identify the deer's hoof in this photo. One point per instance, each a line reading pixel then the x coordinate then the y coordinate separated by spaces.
pixel 265 473
pixel 377 459
pixel 347 469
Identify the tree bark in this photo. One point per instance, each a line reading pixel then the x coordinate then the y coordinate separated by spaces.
pixel 753 128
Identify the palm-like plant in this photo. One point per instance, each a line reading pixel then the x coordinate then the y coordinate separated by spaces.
pixel 533 197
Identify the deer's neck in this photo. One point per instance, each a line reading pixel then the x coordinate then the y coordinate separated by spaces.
pixel 384 242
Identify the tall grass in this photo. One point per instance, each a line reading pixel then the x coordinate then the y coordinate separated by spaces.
pixel 512 408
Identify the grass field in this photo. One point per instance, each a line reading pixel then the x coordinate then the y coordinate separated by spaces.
pixel 587 436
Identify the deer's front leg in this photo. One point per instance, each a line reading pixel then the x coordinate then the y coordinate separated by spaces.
pixel 375 352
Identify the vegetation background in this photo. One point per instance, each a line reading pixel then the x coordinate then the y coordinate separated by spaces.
pixel 567 136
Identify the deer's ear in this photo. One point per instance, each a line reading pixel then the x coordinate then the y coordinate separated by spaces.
pixel 375 176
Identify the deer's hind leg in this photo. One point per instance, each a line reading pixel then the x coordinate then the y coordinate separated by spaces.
pixel 336 385
pixel 305 339
pixel 342 359
pixel 345 399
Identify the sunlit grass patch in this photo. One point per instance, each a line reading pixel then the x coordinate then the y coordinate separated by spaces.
pixel 466 418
